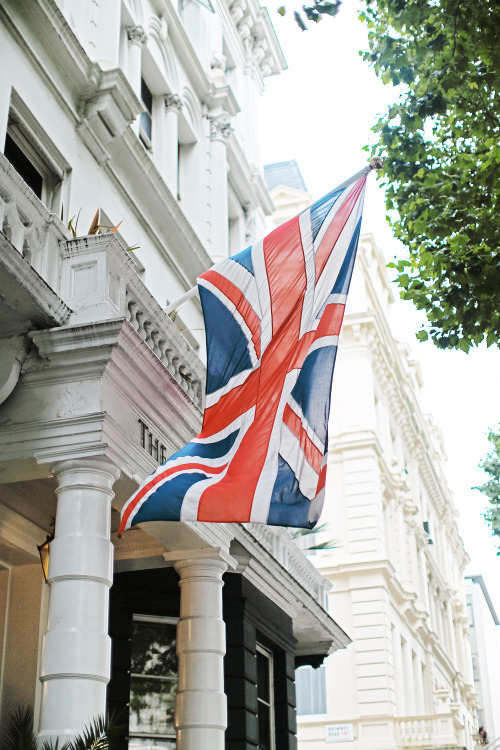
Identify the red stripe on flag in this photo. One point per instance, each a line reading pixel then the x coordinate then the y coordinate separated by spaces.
pixel 242 305
pixel 311 452
pixel 331 321
pixel 321 480
pixel 135 500
pixel 334 230
pixel 285 266
pixel 232 498
pixel 237 401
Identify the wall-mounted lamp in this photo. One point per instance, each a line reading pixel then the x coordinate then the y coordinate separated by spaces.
pixel 44 552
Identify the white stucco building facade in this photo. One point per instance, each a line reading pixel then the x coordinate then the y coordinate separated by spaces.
pixel 485 648
pixel 397 571
pixel 146 110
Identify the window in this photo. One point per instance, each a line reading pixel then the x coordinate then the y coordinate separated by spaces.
pixel 470 611
pixel 23 166
pixel 265 698
pixel 25 155
pixel 153 683
pixel 146 118
pixel 310 687
pixel 35 157
pixel 475 668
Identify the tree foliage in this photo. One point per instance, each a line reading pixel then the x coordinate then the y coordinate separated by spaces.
pixel 97 735
pixel 440 142
pixel 441 147
pixel 491 488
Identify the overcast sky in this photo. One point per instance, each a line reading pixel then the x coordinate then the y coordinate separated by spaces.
pixel 320 112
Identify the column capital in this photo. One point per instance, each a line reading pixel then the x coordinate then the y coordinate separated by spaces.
pixel 218 62
pixel 136 35
pixel 214 557
pixel 220 129
pixel 173 102
pixel 98 465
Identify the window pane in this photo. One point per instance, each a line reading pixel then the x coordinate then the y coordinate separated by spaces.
pixel 146 119
pixel 262 677
pixel 264 719
pixel 153 650
pixel 147 743
pixel 152 706
pixel 146 96
pixel 146 124
pixel 153 682
pixel 23 166
pixel 310 690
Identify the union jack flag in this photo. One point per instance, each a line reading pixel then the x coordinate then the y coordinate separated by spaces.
pixel 273 315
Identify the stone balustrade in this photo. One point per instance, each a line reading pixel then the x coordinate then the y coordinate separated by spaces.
pixel 419 731
pixel 164 338
pixel 94 276
pixel 439 731
pixel 31 228
pixel 279 543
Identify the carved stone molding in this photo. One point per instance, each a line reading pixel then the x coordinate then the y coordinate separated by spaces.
pixel 218 62
pixel 220 129
pixel 173 102
pixel 136 35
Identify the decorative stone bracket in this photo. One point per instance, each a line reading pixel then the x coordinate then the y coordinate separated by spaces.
pixel 107 112
pixel 13 352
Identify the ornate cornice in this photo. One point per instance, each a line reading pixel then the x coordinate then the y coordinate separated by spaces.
pixel 257 37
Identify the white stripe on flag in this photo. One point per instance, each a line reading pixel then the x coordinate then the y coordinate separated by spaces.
pixel 310 270
pixel 293 454
pixel 263 492
pixel 266 326
pixel 334 263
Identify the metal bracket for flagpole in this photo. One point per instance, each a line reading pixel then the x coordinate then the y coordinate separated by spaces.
pixel 178 302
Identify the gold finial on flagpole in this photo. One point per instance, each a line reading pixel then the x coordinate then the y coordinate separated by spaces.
pixel 376 162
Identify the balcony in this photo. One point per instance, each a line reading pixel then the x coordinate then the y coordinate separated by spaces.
pixel 431 731
pixel 441 730
pixel 94 276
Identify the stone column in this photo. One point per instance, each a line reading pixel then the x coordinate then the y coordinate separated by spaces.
pixel 218 229
pixel 200 704
pixel 75 660
pixel 169 166
pixel 409 679
pixel 137 38
pixel 105 32
pixel 467 651
pixel 451 634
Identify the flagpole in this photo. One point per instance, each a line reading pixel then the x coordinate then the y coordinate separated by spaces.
pixel 375 163
pixel 178 302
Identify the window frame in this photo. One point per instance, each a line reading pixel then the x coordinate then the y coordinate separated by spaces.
pixel 38 148
pixel 153 620
pixel 316 674
pixel 145 137
pixel 269 655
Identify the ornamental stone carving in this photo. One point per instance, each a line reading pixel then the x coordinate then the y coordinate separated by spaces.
pixel 136 35
pixel 218 62
pixel 220 129
pixel 174 102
